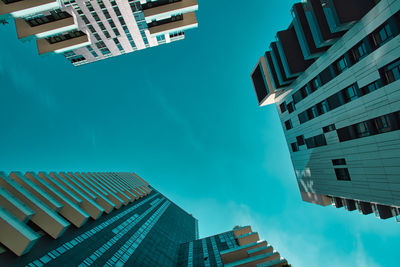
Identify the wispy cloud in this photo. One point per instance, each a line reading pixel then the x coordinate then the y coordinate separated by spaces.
pixel 301 249
pixel 25 83
pixel 182 123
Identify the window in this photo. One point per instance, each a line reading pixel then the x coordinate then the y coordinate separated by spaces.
pixel 322 107
pixel 65 36
pixel 303 117
pixel 316 141
pixel 358 52
pixel 382 124
pixel 294 146
pixel 391 72
pixel 336 162
pixel 381 35
pixel 340 65
pixel 283 107
pixel 326 75
pixel 314 84
pixel 300 140
pixel 297 97
pixel 342 174
pixel 335 101
pixel 288 124
pixel 329 128
pixel 361 129
pixel 371 87
pixel 290 107
pixel 350 93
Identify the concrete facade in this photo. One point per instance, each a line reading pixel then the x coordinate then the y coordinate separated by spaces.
pixel 340 115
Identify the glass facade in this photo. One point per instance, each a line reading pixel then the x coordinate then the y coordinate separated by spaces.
pixel 147 232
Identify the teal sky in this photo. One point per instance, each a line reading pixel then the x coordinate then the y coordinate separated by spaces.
pixel 184 116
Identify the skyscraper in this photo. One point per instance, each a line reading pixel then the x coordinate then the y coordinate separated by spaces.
pixel 238 247
pixel 88 31
pixel 110 219
pixel 71 219
pixel 333 75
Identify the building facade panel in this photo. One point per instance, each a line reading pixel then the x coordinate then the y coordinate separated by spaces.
pixel 340 116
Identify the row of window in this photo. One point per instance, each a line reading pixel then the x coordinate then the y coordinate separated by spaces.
pixel 121 257
pixel 63 248
pixel 64 36
pixel 311 142
pixel 54 16
pixel 380 36
pixel 389 74
pixel 152 4
pixel 382 124
pixel 119 234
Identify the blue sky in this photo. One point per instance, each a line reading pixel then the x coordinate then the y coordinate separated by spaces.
pixel 184 116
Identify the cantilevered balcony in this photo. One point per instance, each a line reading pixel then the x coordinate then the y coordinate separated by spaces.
pixel 45 26
pixel 263 83
pixel 173 24
pixel 152 11
pixel 238 253
pixel 291 56
pixel 272 257
pixel 63 42
pixel 20 8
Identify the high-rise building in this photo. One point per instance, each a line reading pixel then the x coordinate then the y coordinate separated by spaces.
pixel 110 219
pixel 83 219
pixel 87 31
pixel 333 75
pixel 238 247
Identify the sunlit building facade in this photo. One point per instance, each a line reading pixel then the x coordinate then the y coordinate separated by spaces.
pixel 110 219
pixel 88 219
pixel 238 247
pixel 88 31
pixel 334 76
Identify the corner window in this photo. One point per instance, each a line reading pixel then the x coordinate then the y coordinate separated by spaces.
pixel 294 146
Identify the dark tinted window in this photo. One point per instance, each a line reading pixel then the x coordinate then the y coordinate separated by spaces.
pixel 339 162
pixel 290 107
pixel 329 128
pixel 300 140
pixel 282 107
pixel 288 124
pixel 342 174
pixel 294 146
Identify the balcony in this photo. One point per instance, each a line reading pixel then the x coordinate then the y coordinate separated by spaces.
pixel 26 7
pixel 238 253
pixel 173 24
pixel 62 43
pixel 45 26
pixel 272 258
pixel 248 238
pixel 169 9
